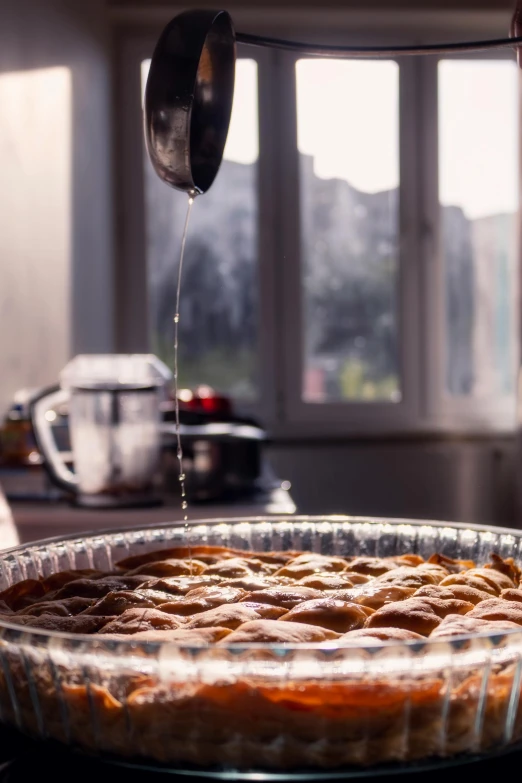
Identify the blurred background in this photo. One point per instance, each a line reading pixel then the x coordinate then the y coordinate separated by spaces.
pixel 351 282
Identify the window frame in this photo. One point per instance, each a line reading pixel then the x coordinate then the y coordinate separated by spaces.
pixel 424 407
pixel 453 412
pixel 357 416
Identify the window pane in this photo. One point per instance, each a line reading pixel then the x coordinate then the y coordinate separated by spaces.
pixel 348 126
pixel 478 179
pixel 219 309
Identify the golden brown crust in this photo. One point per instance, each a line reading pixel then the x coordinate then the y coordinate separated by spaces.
pixel 508 567
pixel 499 609
pixel 96 588
pixel 451 565
pixel 324 581
pixel 228 616
pixel 202 552
pixel 374 594
pixel 186 636
pixel 511 594
pixel 265 611
pixel 136 620
pixel 287 597
pixel 119 601
pixel 331 613
pixel 414 577
pixel 23 593
pixel 377 635
pixel 371 566
pixel 263 631
pixel 49 622
pixel 457 625
pixel 179 585
pixel 461 592
pixel 309 564
pixel 256 582
pixel 420 615
pixel 65 607
pixel 170 567
pixel 488 580
pixel 203 598
pixel 183 552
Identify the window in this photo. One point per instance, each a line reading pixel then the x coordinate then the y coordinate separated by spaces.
pixel 349 198
pixel 219 306
pixel 354 268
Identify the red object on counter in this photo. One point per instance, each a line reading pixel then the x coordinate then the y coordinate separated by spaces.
pixel 204 399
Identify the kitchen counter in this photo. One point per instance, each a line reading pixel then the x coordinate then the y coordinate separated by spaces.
pixel 37 519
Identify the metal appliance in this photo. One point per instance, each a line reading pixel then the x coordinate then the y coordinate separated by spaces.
pixel 223 452
pixel 114 415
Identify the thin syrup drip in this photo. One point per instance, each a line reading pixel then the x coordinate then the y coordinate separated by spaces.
pixel 184 504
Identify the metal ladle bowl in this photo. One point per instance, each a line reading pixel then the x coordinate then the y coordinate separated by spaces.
pixel 188 99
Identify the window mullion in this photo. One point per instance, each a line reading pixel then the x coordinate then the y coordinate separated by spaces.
pixel 267 282
pixel 409 310
pixel 356 416
pixel 431 289
pixel 287 239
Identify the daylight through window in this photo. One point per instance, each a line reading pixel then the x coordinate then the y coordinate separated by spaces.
pixel 347 124
pixel 219 303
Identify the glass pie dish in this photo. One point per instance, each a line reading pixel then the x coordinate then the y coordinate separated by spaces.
pixel 265 708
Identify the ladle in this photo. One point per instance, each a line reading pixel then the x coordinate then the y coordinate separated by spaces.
pixel 188 97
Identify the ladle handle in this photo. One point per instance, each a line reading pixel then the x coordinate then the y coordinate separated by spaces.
pixel 320 50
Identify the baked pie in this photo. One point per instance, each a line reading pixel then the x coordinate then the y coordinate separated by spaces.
pixel 210 601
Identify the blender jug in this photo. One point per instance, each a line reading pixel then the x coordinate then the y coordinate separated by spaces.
pixel 114 418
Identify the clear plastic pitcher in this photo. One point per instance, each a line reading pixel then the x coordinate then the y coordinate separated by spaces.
pixel 114 408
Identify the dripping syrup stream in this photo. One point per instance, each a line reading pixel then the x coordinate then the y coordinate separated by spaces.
pixel 179 452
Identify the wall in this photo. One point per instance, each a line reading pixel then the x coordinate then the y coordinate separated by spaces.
pixel 55 188
pixel 344 20
pixel 367 5
pixel 466 480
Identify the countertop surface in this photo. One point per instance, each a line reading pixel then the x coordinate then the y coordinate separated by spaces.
pixel 34 520
pixel 37 510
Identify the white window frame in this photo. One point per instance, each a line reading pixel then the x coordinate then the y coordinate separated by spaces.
pixel 357 416
pixel 451 412
pixel 424 407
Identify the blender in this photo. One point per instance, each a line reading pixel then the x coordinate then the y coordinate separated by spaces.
pixel 114 417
